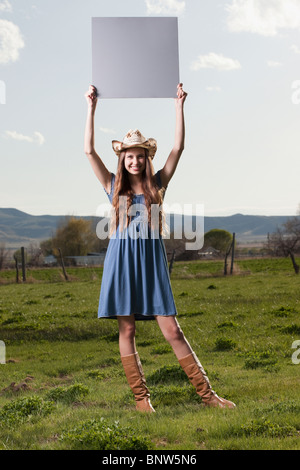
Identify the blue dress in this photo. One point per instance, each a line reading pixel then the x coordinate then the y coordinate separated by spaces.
pixel 135 276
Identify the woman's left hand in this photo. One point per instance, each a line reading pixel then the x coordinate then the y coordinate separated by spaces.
pixel 181 94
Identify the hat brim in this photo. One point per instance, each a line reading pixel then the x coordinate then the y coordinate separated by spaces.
pixel 149 144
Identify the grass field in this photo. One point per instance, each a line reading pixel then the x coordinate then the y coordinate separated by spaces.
pixel 63 386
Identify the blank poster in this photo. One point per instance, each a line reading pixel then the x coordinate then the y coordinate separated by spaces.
pixel 135 57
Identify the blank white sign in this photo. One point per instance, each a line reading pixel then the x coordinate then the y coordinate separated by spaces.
pixel 135 57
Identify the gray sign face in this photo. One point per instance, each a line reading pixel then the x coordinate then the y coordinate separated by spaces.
pixel 135 57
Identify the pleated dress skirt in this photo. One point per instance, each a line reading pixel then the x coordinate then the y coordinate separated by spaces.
pixel 135 276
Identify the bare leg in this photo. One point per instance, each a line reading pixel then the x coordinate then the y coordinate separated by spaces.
pixel 127 335
pixel 132 364
pixel 190 363
pixel 173 334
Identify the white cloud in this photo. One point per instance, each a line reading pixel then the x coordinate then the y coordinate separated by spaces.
pixel 273 63
pixel 265 17
pixel 5 6
pixel 106 130
pixel 157 7
pixel 37 139
pixel 11 42
pixel 295 49
pixel 215 61
pixel 213 88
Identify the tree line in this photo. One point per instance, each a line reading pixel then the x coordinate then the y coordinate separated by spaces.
pixel 77 237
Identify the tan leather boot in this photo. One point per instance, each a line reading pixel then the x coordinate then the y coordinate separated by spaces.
pixel 136 379
pixel 199 379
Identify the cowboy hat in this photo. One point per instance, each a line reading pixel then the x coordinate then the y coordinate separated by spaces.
pixel 135 139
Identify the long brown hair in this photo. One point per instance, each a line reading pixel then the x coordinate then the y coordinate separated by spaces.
pixel 152 193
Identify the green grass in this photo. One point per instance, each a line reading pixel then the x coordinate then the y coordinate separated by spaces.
pixel 63 386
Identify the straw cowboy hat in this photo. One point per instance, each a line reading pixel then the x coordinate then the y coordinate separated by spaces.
pixel 135 139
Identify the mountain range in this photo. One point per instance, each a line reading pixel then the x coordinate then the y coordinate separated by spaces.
pixel 18 228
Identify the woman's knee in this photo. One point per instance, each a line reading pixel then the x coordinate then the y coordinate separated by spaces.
pixel 173 333
pixel 127 329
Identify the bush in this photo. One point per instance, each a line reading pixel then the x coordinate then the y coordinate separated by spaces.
pixel 167 374
pixel 100 435
pixel 24 409
pixel 68 394
pixel 227 324
pixel 268 429
pixel 284 407
pixel 96 374
pixel 264 360
pixel 162 349
pixel 283 311
pixel 291 329
pixel 224 344
pixel 174 395
pixel 211 287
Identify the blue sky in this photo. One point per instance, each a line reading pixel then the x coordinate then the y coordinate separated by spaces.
pixel 239 62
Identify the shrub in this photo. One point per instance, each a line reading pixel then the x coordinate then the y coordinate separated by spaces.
pixel 167 374
pixel 283 311
pixel 285 407
pixel 268 429
pixel 224 344
pixel 162 349
pixel 194 314
pixel 101 435
pixel 96 374
pixel 174 395
pixel 227 324
pixel 264 359
pixel 24 409
pixel 68 394
pixel 291 329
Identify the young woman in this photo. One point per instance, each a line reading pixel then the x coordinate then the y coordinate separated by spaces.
pixel 135 283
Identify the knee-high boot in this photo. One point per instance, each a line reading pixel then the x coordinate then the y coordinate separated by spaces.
pixel 197 376
pixel 136 380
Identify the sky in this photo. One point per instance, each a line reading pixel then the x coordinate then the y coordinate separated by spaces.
pixel 239 62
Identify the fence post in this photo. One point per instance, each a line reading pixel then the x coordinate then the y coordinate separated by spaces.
pixel 171 262
pixel 23 263
pixel 17 269
pixel 225 260
pixel 232 253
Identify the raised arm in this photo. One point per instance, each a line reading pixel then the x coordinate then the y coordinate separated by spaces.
pixel 170 166
pixel 100 170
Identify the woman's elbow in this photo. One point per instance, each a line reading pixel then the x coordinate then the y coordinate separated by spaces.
pixel 89 152
pixel 179 149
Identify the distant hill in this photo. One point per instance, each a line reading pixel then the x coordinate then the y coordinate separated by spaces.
pixel 246 227
pixel 18 228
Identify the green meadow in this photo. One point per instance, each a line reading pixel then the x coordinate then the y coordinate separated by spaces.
pixel 63 386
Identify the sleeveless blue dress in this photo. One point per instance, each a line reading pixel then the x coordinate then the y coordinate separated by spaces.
pixel 135 276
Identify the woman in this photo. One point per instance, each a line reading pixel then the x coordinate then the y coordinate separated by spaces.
pixel 135 283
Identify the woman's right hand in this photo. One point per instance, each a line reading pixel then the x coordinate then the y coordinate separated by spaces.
pixel 91 97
